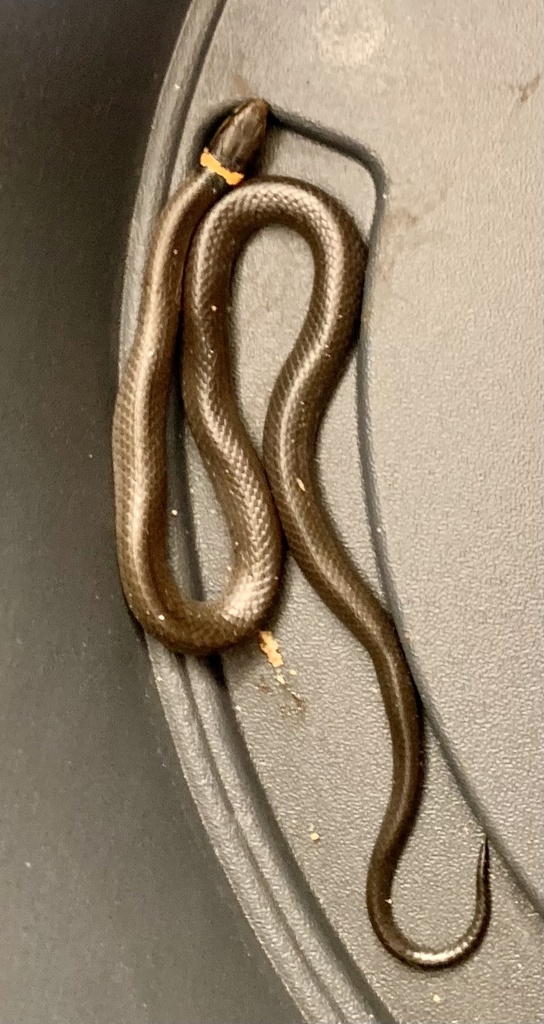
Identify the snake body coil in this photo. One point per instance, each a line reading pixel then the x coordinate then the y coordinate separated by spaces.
pixel 199 236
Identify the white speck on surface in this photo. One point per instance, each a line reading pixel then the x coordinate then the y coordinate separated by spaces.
pixel 437 999
pixel 301 484
pixel 292 671
pixel 161 618
pixel 173 511
pixel 28 864
pixel 177 87
pixel 214 309
pixel 315 837
pixel 175 251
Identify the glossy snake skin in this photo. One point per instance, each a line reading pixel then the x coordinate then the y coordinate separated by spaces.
pixel 200 234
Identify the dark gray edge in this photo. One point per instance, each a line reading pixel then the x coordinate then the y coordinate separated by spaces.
pixel 298 939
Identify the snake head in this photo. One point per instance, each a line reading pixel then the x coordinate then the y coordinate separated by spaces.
pixel 240 137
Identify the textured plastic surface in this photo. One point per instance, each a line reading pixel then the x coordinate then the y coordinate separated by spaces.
pixel 112 905
pixel 425 127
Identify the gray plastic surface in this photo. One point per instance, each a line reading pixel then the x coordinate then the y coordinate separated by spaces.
pixel 424 121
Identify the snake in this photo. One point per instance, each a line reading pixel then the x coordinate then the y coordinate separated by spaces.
pixel 187 282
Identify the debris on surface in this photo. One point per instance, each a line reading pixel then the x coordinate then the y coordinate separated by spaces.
pixel 270 648
pixel 173 511
pixel 301 484
pixel 293 703
pixel 315 837
pixel 437 999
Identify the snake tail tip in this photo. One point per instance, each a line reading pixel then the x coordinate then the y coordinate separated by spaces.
pixel 483 859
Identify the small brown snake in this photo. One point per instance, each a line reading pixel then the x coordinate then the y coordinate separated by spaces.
pixel 199 236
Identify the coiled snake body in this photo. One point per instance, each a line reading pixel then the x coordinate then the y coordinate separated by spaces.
pixel 198 238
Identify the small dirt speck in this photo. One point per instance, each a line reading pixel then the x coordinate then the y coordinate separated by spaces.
pixel 270 648
pixel 526 89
